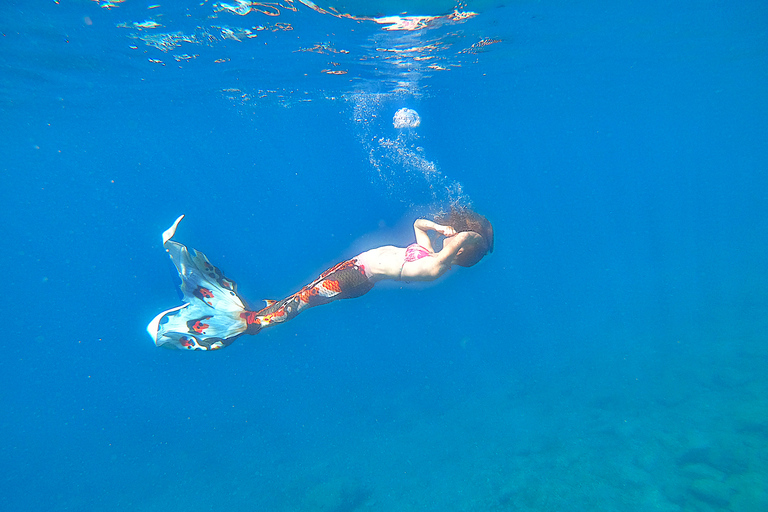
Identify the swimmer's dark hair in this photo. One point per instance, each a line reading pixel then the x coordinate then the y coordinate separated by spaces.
pixel 463 219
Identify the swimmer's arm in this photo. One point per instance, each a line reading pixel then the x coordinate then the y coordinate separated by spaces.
pixel 443 260
pixel 453 244
pixel 423 226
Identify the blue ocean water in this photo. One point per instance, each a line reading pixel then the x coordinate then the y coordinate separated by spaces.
pixel 609 355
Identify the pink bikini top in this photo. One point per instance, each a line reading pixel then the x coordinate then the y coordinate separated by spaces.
pixel 415 252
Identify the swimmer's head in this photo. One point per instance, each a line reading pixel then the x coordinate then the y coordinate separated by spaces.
pixel 464 219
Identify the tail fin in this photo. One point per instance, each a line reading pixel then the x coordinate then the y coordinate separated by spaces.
pixel 211 317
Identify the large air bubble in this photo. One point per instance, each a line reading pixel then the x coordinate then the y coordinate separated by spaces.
pixel 398 162
pixel 406 118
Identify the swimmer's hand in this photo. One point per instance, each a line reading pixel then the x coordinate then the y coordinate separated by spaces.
pixel 445 230
pixel 421 226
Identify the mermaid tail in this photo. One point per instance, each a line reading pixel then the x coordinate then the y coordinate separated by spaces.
pixel 345 280
pixel 213 314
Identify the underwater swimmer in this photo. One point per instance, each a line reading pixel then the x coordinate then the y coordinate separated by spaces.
pixel 214 314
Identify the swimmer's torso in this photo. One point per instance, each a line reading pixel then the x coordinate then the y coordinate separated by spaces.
pixel 390 262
